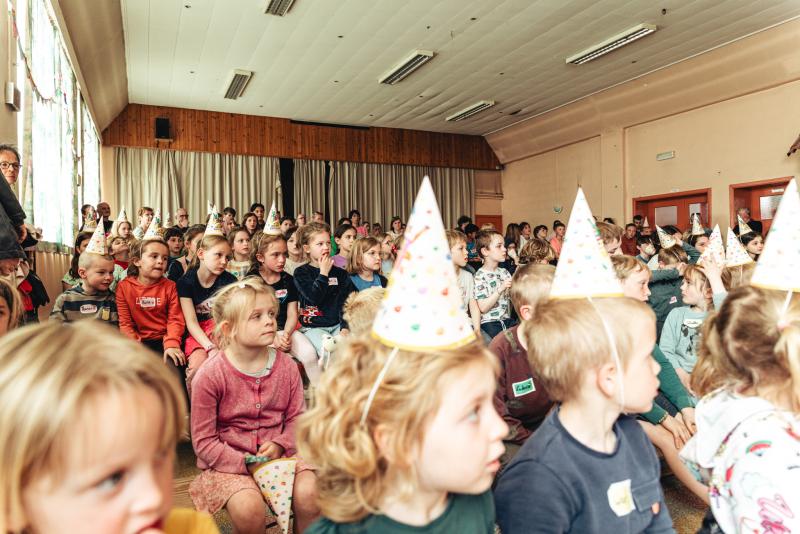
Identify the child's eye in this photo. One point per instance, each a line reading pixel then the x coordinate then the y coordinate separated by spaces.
pixel 474 415
pixel 111 481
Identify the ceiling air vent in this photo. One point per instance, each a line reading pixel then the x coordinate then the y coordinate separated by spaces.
pixel 238 83
pixel 406 67
pixel 470 111
pixel 278 7
pixel 628 36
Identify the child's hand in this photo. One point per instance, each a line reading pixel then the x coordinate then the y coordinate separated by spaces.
pixel 344 332
pixel 679 432
pixel 283 342
pixel 506 284
pixel 687 414
pixel 271 450
pixel 325 264
pixel 685 379
pixel 681 268
pixel 176 355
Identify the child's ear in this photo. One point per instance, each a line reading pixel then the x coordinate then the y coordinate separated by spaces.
pixel 607 380
pixel 384 439
pixel 525 312
pixel 81 273
pixel 260 258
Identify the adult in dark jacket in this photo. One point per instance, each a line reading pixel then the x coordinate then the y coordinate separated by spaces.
pixel 12 229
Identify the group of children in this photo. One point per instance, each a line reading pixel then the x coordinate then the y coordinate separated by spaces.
pixel 415 424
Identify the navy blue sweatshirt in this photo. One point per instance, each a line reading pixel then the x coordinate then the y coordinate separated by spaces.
pixel 322 297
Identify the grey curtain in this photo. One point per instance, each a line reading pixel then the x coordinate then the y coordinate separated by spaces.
pixel 380 192
pixel 167 180
pixel 309 186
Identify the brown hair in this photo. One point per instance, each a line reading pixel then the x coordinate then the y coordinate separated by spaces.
pixel 136 252
pixel 235 230
pixel 13 300
pixel 624 266
pixel 351 469
pixel 484 239
pixel 144 209
pixel 672 255
pixel 306 231
pixel 695 275
pixel 530 284
pixel 262 246
pixel 537 251
pixel 206 243
pixel 740 275
pixel 360 246
pixel 609 232
pixel 573 326
pixel 748 342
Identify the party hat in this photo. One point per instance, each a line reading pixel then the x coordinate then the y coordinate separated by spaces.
pixel 154 230
pixel 272 225
pixel 167 221
pixel 744 228
pixel 275 479
pixel 97 243
pixel 422 310
pixel 645 224
pixel 584 268
pixel 697 228
pixel 665 239
pixel 214 226
pixel 778 267
pixel 735 254
pixel 122 217
pixel 714 250
pixel 211 207
pixel 89 222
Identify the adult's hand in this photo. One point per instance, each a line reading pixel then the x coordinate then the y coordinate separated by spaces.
pixel 22 233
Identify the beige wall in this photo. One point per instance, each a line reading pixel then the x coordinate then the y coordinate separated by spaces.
pixel 8 118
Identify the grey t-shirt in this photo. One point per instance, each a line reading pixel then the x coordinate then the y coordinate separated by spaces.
pixel 557 484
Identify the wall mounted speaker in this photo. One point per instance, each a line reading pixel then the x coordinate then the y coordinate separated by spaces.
pixel 162 128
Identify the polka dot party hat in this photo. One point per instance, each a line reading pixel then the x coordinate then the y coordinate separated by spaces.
pixel 697 228
pixel 90 222
pixel 735 254
pixel 275 479
pixel 715 250
pixel 154 230
pixel 122 217
pixel 664 238
pixel 778 267
pixel 744 228
pixel 214 225
pixel 272 225
pixel 97 243
pixel 584 267
pixel 423 310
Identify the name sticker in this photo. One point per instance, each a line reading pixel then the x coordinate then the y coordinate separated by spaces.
pixel 620 498
pixel 147 302
pixel 281 293
pixel 333 281
pixel 523 388
pixel 88 308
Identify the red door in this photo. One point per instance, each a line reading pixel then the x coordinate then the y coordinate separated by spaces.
pixel 761 197
pixel 674 209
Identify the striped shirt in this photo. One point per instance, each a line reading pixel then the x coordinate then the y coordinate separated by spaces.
pixel 74 304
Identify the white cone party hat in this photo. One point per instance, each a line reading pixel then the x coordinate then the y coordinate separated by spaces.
pixel 778 267
pixel 154 230
pixel 97 243
pixel 122 217
pixel 697 228
pixel 275 479
pixel 744 228
pixel 735 254
pixel 715 249
pixel 664 238
pixel 272 225
pixel 645 224
pixel 584 267
pixel 214 226
pixel 90 222
pixel 423 310
pixel 167 221
pixel 210 207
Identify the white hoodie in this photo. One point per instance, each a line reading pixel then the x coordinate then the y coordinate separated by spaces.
pixel 748 452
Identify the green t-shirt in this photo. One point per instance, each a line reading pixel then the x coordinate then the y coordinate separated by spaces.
pixel 465 514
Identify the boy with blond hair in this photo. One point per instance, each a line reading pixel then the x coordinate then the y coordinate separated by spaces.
pixel 92 298
pixel 457 241
pixel 520 397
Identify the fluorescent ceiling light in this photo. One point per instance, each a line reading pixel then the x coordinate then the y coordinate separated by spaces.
pixel 628 36
pixel 417 59
pixel 470 111
pixel 238 83
pixel 278 7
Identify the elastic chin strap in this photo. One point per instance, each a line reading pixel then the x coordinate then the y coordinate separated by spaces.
pixel 376 385
pixel 614 353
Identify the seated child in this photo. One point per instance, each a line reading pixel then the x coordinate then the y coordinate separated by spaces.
pixel 520 397
pixel 748 420
pixel 239 240
pixel 645 247
pixel 665 284
pixel 360 309
pixel 344 236
pixel 388 252
pixel 71 277
pixel 174 239
pixel 537 250
pixel 145 215
pixel 680 337
pixel 10 307
pixel 611 236
pixel 118 248
pixel 588 468
pixel 323 287
pixel 191 240
pixel 364 264
pixel 753 244
pixel 457 242
pixel 295 252
pixel 492 284
pixel 103 460
pixel 245 402
pixel 92 299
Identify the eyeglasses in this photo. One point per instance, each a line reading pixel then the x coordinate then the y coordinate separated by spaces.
pixel 6 165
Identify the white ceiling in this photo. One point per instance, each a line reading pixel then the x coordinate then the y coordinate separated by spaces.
pixel 181 53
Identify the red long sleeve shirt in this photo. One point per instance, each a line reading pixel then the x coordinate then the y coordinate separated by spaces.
pixel 150 312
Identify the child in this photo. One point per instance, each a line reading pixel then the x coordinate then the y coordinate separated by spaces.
pixel 10 309
pixel 191 240
pixel 245 402
pixel 679 339
pixel 269 260
pixel 473 256
pixel 645 247
pixel 295 253
pixel 665 285
pixel 119 248
pixel 322 286
pixel 753 244
pixel 71 278
pixel 611 236
pixel 492 284
pixel 588 468
pixel 537 251
pixel 344 236
pixel 145 215
pixel 250 223
pixel 103 460
pixel 733 277
pixel 258 209
pixel 196 289
pixel 364 264
pixel 239 240
pixel 174 239
pixel 361 308
pixel 457 242
pixel 92 298
pixel 387 252
pixel 748 420
pixel 147 304
pixel 520 397
pixel 557 241
pixel 122 227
